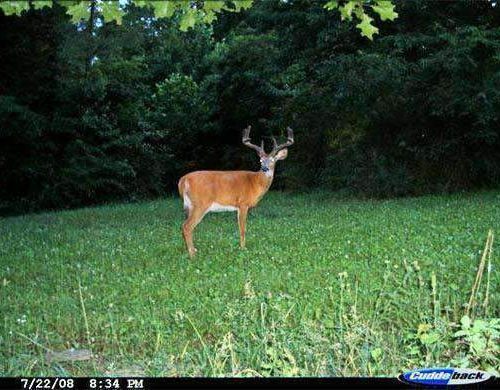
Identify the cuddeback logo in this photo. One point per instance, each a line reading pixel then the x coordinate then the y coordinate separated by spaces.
pixel 445 376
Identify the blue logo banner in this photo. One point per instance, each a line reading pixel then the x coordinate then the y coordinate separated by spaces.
pixel 445 376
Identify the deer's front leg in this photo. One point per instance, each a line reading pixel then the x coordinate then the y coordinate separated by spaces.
pixel 242 220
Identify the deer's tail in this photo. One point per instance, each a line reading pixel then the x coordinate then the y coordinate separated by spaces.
pixel 184 193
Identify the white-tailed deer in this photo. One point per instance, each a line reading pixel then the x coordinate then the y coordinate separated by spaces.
pixel 205 191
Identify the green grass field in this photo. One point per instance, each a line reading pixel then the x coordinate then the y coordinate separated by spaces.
pixel 326 286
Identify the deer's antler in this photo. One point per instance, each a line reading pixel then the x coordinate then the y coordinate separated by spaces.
pixel 288 142
pixel 246 142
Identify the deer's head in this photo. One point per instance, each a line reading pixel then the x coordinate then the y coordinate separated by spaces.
pixel 268 160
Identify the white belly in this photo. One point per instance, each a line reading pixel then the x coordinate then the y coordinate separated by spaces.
pixel 216 207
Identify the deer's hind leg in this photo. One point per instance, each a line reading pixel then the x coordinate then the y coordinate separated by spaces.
pixel 194 217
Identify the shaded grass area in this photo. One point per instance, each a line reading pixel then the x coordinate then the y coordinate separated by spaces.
pixel 326 286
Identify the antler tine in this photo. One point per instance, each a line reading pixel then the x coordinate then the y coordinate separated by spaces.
pixel 288 142
pixel 246 133
pixel 246 141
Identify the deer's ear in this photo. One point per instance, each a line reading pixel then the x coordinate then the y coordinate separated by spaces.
pixel 281 155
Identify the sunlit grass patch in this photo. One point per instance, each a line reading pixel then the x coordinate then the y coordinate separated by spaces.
pixel 326 286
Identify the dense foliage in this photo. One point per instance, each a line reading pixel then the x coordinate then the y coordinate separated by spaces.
pixel 100 111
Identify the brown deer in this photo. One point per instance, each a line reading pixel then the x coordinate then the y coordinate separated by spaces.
pixel 205 191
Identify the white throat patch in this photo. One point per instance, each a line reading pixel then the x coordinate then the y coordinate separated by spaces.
pixel 269 173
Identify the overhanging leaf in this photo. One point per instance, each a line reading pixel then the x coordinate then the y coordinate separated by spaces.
pixel 347 9
pixel 163 9
pixel 209 16
pixel 188 20
pixel 366 26
pixel 42 3
pixel 111 11
pixel 14 7
pixel 331 5
pixel 214 5
pixel 242 4
pixel 79 11
pixel 385 9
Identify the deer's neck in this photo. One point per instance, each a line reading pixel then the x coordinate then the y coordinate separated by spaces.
pixel 264 181
pixel 269 174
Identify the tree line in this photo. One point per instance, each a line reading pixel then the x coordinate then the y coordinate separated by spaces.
pixel 99 112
